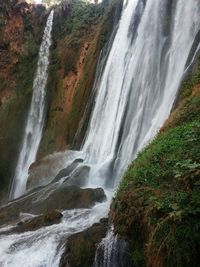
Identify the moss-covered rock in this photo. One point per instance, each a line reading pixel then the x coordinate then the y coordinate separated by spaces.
pixel 157 206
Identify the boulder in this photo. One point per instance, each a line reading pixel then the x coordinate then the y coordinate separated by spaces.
pixel 43 171
pixel 68 170
pixel 47 219
pixel 79 177
pixel 80 248
pixel 54 196
pixel 51 168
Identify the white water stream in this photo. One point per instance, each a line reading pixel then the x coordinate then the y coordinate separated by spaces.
pixel 35 120
pixel 138 87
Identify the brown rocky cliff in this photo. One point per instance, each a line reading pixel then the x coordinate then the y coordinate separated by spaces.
pixel 12 28
pixel 15 17
pixel 21 27
pixel 71 80
pixel 79 33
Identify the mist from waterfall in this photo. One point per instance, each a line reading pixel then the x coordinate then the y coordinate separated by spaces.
pixel 135 95
pixel 36 116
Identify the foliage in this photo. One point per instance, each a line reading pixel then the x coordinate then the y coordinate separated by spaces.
pixel 76 17
pixel 158 203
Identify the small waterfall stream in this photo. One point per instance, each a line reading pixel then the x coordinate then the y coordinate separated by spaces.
pixel 112 252
pixel 36 116
pixel 136 93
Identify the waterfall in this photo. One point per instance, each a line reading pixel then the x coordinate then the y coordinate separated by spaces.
pixel 112 252
pixel 36 116
pixel 140 83
pixel 136 92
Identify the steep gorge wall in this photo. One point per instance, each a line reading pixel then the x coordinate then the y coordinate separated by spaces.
pixel 80 31
pixel 21 28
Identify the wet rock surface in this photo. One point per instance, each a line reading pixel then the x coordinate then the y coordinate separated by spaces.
pixel 46 169
pixel 80 248
pixel 68 170
pixel 61 197
pixel 79 176
pixel 50 170
pixel 47 219
pixel 21 29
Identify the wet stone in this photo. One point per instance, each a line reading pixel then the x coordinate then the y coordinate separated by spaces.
pixel 33 224
pixel 80 248
pixel 53 197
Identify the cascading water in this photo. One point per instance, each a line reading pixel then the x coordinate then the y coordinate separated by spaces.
pixel 138 87
pixel 112 252
pixel 140 82
pixel 35 121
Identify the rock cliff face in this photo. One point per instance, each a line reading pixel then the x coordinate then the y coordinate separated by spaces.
pixel 20 30
pixel 21 27
pixel 79 33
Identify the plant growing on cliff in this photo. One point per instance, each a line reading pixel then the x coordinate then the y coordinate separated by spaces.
pixel 157 206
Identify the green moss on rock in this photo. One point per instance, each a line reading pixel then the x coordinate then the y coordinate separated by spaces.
pixel 157 206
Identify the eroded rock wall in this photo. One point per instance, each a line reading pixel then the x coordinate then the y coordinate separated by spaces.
pixel 21 28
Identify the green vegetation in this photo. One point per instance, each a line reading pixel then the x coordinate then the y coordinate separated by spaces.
pixel 82 15
pixel 157 206
pixel 25 72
